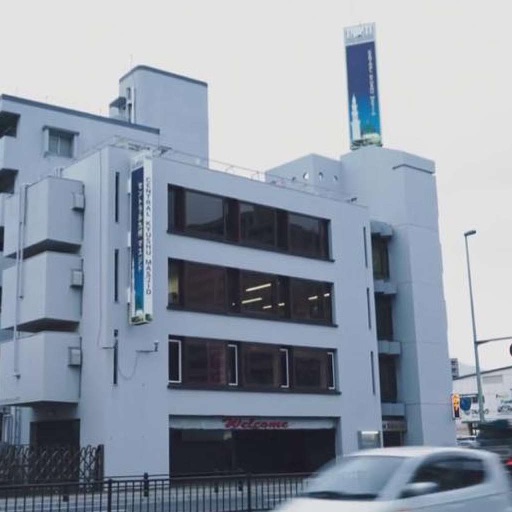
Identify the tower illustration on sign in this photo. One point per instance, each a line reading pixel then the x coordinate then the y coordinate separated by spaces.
pixel 355 124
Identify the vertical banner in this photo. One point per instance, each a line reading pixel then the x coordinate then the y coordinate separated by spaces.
pixel 141 296
pixel 363 94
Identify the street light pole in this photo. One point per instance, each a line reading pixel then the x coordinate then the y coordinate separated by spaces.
pixel 475 340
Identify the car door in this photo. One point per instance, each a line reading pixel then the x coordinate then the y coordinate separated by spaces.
pixel 464 484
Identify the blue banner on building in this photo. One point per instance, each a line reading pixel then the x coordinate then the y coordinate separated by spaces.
pixel 141 297
pixel 363 94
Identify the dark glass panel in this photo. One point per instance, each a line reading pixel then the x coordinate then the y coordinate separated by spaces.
pixel 233 365
pixel 307 235
pixel 204 214
pixel 174 360
pixel 387 372
pixel 331 384
pixel 257 224
pixel 261 365
pixel 205 362
pixel 384 316
pixel 310 368
pixel 311 300
pixel 284 369
pixel 205 287
pixel 257 292
pixel 380 257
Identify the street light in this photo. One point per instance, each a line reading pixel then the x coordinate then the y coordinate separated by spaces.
pixel 475 340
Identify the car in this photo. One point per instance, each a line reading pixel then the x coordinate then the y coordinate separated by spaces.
pixel 430 479
pixel 467 441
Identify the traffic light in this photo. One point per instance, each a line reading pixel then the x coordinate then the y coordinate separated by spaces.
pixel 456 406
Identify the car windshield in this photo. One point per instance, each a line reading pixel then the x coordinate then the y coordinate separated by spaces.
pixel 358 477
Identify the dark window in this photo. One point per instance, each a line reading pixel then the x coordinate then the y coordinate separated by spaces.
pixel 60 143
pixel 331 372
pixel 257 293
pixel 311 300
pixel 384 314
pixel 208 363
pixel 380 257
pixel 258 224
pixel 261 365
pixel 174 361
pixel 307 235
pixel 216 289
pixel 233 364
pixel 8 124
pixel 204 214
pixel 284 354
pixel 372 370
pixel 209 216
pixel 204 287
pixel 205 362
pixel 452 473
pixel 310 368
pixel 387 372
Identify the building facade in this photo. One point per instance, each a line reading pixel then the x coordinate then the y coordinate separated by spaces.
pixel 194 319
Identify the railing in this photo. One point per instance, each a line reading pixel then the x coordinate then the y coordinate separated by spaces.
pixel 21 465
pixel 235 493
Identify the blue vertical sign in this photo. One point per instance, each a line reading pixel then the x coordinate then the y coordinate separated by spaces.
pixel 363 94
pixel 141 297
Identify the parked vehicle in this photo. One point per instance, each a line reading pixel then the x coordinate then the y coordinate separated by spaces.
pixel 409 478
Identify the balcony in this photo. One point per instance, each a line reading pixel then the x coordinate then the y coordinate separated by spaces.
pixel 46 370
pixel 54 217
pixel 51 293
pixel 10 153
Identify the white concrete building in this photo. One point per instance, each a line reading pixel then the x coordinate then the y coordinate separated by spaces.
pixel 293 315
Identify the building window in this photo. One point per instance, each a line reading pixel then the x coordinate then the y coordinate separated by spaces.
pixel 116 275
pixel 8 124
pixel 331 371
pixel 380 257
pixel 261 365
pixel 205 362
pixel 210 364
pixel 116 197
pixel 384 316
pixel 310 300
pixel 307 235
pixel 258 225
pixel 388 380
pixel 60 142
pixel 205 215
pixel 215 289
pixel 310 368
pixel 174 361
pixel 284 356
pixel 232 364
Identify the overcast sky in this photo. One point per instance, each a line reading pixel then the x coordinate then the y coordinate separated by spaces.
pixel 277 91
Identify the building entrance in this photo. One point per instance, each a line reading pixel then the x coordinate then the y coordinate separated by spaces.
pixel 250 450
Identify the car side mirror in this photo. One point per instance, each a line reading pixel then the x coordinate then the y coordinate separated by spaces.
pixel 419 489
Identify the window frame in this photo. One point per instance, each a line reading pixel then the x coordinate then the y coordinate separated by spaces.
pixel 232 224
pixel 51 131
pixel 331 362
pixel 286 352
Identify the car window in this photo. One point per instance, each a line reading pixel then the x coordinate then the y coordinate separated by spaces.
pixel 451 473
pixel 355 477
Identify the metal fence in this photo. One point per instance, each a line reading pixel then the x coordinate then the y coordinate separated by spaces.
pixel 235 493
pixel 20 465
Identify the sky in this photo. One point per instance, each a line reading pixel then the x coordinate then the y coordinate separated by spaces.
pixel 277 91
